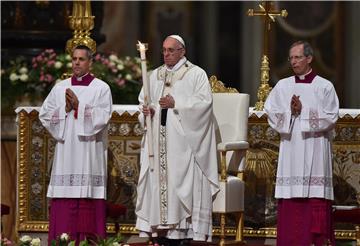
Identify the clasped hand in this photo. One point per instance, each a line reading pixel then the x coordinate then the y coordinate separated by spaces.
pixel 71 99
pixel 295 105
pixel 167 102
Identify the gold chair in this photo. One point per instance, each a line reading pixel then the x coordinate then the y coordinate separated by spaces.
pixel 231 111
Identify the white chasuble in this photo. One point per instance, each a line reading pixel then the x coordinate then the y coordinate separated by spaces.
pixel 305 159
pixel 79 166
pixel 177 195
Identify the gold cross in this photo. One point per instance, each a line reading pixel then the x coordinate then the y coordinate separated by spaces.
pixel 267 10
pixel 268 13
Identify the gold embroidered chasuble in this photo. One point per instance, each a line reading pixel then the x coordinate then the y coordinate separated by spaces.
pixel 177 195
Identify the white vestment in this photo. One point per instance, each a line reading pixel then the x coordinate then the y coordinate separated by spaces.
pixel 177 195
pixel 305 158
pixel 79 166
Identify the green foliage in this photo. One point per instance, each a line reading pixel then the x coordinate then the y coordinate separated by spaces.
pixel 109 241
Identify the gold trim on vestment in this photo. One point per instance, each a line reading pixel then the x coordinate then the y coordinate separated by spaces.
pixel 163 176
pixel 170 77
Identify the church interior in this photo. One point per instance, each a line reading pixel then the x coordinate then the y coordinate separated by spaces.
pixel 228 39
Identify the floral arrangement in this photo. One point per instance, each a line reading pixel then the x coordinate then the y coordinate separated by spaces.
pixel 27 241
pixel 23 241
pixel 33 80
pixel 64 240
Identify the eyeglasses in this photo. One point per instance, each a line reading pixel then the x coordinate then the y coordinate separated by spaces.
pixel 170 50
pixel 296 58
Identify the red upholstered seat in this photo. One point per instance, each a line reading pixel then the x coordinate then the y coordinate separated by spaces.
pixel 114 211
pixel 347 216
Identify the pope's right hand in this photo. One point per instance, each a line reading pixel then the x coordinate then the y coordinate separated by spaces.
pixel 146 110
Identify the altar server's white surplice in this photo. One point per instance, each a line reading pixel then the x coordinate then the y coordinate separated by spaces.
pixel 79 166
pixel 177 195
pixel 305 165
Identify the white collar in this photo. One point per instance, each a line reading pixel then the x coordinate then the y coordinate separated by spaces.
pixel 177 65
pixel 80 78
pixel 302 77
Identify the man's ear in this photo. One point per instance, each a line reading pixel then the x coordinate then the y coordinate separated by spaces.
pixel 183 52
pixel 309 59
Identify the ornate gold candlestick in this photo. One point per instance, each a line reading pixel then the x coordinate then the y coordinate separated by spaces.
pixel 82 22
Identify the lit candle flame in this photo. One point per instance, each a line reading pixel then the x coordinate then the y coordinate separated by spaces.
pixel 141 45
pixel 142 49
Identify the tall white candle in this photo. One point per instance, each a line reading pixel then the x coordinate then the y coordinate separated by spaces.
pixel 147 101
pixel 142 50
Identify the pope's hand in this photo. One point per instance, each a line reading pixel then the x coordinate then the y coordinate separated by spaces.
pixel 146 110
pixel 167 102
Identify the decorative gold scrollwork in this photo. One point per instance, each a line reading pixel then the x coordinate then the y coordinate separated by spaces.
pixel 218 87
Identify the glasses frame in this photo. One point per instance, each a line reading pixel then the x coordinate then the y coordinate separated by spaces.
pixel 296 58
pixel 170 50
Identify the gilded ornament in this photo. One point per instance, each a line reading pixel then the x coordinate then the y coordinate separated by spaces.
pixel 82 22
pixel 268 13
pixel 218 87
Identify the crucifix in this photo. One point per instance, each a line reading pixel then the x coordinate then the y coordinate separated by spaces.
pixel 268 14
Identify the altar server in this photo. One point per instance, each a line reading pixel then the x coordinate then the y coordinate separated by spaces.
pixel 76 113
pixel 304 109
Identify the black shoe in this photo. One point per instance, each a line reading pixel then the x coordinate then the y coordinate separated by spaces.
pixel 174 242
pixel 185 242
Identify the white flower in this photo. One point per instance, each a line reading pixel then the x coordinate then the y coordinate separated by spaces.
pixel 23 70
pixel 24 77
pixel 69 65
pixel 36 242
pixel 68 57
pixel 64 237
pixel 113 57
pixel 13 77
pixel 112 64
pixel 128 77
pixel 25 239
pixel 116 244
pixel 58 64
pixel 120 66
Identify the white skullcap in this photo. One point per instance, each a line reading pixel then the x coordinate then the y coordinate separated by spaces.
pixel 178 38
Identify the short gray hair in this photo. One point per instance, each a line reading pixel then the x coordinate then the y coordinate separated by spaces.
pixel 87 49
pixel 308 50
